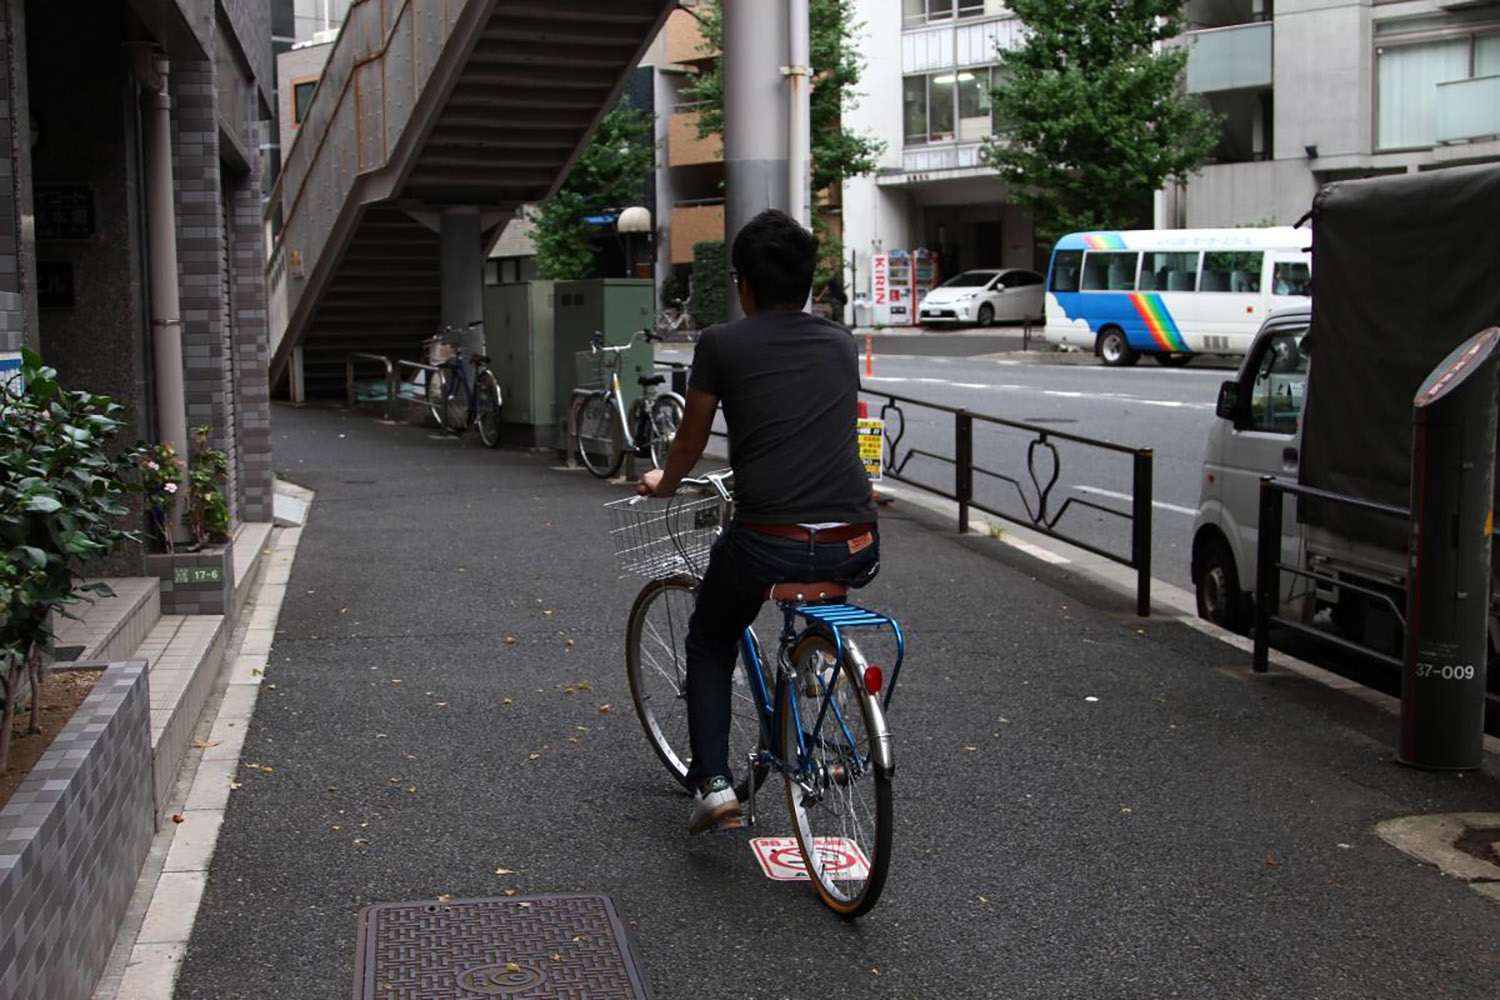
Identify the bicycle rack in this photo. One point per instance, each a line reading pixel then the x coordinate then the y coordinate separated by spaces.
pixel 397 389
pixel 842 616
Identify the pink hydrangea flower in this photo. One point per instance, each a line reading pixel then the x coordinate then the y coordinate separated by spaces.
pixel 152 466
pixel 170 487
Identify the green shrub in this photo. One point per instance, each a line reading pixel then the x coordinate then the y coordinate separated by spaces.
pixel 710 278
pixel 207 513
pixel 59 505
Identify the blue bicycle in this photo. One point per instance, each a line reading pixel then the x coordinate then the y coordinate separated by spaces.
pixel 463 392
pixel 818 720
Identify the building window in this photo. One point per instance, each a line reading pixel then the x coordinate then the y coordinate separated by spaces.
pixel 918 12
pixel 941 107
pixel 302 92
pixel 1407 79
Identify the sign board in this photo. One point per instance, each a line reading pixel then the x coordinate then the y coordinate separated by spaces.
pixel 10 373
pixel 781 859
pixel 197 574
pixel 880 288
pixel 63 211
pixel 872 446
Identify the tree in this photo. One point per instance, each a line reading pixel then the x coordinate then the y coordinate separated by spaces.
pixel 607 177
pixel 836 65
pixel 1094 113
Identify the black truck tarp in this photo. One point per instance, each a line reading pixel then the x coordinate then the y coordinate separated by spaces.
pixel 1405 269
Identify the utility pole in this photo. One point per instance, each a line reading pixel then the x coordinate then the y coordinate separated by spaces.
pixel 767 84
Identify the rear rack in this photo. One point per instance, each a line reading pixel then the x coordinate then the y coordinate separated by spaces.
pixel 841 616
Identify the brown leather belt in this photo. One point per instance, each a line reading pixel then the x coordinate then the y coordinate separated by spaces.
pixel 830 536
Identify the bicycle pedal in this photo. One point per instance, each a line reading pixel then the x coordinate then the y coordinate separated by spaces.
pixel 732 823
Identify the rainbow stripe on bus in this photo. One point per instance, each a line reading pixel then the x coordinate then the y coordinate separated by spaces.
pixel 1159 322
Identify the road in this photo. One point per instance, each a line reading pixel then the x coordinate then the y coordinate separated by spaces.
pixel 1167 410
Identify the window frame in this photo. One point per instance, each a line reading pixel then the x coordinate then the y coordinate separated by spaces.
pixel 1135 273
pixel 1468 32
pixel 296 82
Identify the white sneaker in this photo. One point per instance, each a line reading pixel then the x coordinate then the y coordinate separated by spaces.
pixel 713 804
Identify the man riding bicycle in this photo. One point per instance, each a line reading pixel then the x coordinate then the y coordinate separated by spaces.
pixel 789 385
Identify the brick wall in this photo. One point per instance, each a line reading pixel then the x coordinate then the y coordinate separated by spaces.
pixel 251 341
pixel 14 186
pixel 72 841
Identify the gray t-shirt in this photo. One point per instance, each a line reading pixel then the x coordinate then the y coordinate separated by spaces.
pixel 789 386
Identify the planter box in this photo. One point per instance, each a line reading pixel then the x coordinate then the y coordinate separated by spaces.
pixel 195 583
pixel 72 842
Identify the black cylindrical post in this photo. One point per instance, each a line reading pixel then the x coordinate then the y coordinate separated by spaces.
pixel 963 466
pixel 1267 575
pixel 1140 530
pixel 1448 560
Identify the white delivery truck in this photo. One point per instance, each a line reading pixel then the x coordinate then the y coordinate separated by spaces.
pixel 1405 269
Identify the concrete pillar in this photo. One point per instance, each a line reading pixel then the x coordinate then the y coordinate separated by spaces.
pixel 161 234
pixel 798 73
pixel 755 119
pixel 461 263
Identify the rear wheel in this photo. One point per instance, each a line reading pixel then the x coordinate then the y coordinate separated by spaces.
pixel 656 667
pixel 456 402
pixel 840 800
pixel 1115 350
pixel 487 417
pixel 1218 585
pixel 666 414
pixel 600 435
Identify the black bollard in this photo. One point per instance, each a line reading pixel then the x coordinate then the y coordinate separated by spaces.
pixel 1448 561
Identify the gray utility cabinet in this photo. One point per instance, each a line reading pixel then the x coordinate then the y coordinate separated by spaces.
pixel 518 324
pixel 617 307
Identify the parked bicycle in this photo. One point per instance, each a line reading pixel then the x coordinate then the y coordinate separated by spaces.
pixel 818 720
pixel 463 393
pixel 675 318
pixel 603 430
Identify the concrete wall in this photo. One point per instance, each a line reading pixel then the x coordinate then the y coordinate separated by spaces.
pixel 293 67
pixel 17 257
pixel 72 841
pixel 1324 88
pixel 1240 194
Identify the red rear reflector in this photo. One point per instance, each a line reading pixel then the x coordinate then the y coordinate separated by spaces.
pixel 873 679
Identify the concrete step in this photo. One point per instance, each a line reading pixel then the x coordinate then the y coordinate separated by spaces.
pixel 186 653
pixel 112 627
pixel 252 541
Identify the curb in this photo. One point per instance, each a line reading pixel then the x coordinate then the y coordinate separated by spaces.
pixel 1172 602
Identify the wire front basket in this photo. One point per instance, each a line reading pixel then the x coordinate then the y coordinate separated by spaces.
pixel 595 369
pixel 657 539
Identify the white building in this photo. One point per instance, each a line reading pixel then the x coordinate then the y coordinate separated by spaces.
pixel 1318 90
pixel 926 95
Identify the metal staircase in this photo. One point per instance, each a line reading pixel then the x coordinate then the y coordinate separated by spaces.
pixel 427 105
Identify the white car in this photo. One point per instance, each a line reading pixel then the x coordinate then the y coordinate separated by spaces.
pixel 983 297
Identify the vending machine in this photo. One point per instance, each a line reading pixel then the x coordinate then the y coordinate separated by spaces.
pixel 899 287
pixel 926 274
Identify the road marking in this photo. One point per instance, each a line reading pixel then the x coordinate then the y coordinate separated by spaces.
pixel 1096 491
pixel 781 859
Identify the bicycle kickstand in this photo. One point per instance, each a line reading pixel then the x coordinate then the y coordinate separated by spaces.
pixel 752 759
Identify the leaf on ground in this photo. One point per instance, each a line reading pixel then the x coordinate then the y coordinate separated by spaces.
pixel 333 788
pixel 343 611
pixel 441 704
pixel 507 892
pixel 512 967
pixel 507 701
pixel 605 709
pixel 533 756
pixel 205 744
pixel 969 749
pixel 266 769
pixel 395 680
pixel 510 639
pixel 1270 860
pixel 360 840
pixel 234 786
pixel 582 685
pixel 569 690
pixel 548 612
pixel 177 817
pixel 504 871
pixel 411 789
pixel 382 736
pixel 570 644
pixel 444 898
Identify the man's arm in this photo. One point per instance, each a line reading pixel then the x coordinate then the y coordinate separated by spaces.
pixel 687 446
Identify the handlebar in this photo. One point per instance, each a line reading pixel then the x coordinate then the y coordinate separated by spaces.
pixel 720 481
pixel 596 342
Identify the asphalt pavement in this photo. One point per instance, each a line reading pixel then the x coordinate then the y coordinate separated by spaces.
pixel 1086 805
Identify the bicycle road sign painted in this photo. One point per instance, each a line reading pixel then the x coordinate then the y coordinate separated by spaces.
pixel 781 859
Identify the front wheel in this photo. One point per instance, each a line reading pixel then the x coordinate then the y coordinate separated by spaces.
pixel 1115 350
pixel 838 793
pixel 487 417
pixel 666 415
pixel 986 315
pixel 1218 587
pixel 656 667
pixel 600 435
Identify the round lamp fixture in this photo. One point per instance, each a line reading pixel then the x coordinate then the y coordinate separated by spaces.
pixel 634 220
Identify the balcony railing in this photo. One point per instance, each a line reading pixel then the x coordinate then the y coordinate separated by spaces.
pixel 1237 58
pixel 684 146
pixel 1468 109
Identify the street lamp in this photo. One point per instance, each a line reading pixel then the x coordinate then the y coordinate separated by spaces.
pixel 635 219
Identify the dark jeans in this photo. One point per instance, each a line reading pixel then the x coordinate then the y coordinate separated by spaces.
pixel 742 566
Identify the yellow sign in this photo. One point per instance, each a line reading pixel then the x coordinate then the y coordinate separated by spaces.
pixel 872 446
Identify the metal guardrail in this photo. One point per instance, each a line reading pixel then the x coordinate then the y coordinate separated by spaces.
pixel 1037 504
pixel 393 370
pixel 1269 567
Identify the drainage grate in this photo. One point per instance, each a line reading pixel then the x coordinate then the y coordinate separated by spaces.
pixel 568 947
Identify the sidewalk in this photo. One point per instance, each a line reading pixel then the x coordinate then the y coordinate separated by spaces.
pixel 1086 805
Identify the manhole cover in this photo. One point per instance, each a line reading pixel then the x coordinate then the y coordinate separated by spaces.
pixel 568 947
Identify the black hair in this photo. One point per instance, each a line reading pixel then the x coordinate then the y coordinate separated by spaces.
pixel 776 256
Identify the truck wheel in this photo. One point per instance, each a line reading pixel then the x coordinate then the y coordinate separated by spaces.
pixel 1218 586
pixel 1114 350
pixel 1173 360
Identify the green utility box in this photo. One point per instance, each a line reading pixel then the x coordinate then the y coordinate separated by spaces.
pixel 618 308
pixel 518 325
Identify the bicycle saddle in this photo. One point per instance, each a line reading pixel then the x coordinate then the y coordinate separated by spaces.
pixel 652 379
pixel 825 590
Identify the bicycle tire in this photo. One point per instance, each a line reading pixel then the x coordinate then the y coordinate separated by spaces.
pixel 433 391
pixel 487 410
pixel 828 799
pixel 600 436
pixel 658 682
pixel 666 416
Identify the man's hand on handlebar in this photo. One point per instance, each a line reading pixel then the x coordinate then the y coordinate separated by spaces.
pixel 650 485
